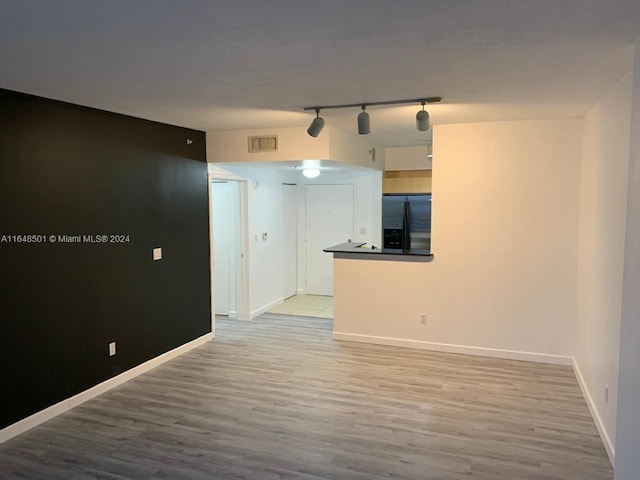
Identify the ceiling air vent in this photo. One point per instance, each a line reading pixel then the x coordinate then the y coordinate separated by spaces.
pixel 267 143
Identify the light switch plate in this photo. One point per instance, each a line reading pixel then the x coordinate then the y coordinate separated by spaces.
pixel 112 349
pixel 264 236
pixel 157 254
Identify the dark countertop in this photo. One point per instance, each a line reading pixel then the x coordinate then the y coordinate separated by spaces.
pixel 355 250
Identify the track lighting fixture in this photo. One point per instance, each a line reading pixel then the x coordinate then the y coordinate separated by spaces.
pixel 423 122
pixel 316 125
pixel 422 119
pixel 363 122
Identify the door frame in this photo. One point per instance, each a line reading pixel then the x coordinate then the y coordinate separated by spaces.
pixel 243 247
pixel 295 221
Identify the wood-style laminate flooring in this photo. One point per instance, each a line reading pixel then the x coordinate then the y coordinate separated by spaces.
pixel 277 398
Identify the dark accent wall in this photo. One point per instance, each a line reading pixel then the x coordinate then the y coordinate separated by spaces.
pixel 72 170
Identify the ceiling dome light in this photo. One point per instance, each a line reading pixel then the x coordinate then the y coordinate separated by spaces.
pixel 422 119
pixel 363 122
pixel 316 125
pixel 311 172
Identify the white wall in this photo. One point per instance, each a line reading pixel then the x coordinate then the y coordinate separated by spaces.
pixel 294 144
pixel 407 158
pixel 603 197
pixel 628 424
pixel 504 235
pixel 354 149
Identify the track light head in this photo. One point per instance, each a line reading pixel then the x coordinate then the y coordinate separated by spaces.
pixel 363 122
pixel 317 125
pixel 364 128
pixel 422 119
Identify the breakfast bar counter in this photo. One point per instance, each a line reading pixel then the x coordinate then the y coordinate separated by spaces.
pixel 360 251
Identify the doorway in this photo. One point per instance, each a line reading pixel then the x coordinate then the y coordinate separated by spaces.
pixel 228 248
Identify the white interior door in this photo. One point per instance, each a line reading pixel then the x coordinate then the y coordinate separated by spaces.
pixel 329 221
pixel 225 241
pixel 290 241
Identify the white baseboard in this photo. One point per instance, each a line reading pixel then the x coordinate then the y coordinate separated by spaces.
pixel 65 405
pixel 266 307
pixel 604 436
pixel 449 348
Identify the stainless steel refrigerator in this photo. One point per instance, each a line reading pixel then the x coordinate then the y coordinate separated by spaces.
pixel 406 221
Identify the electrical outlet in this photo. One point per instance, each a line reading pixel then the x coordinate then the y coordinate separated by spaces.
pixel 606 393
pixel 363 231
pixel 423 318
pixel 112 349
pixel 264 236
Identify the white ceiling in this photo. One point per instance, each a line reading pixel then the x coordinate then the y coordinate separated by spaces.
pixel 232 64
